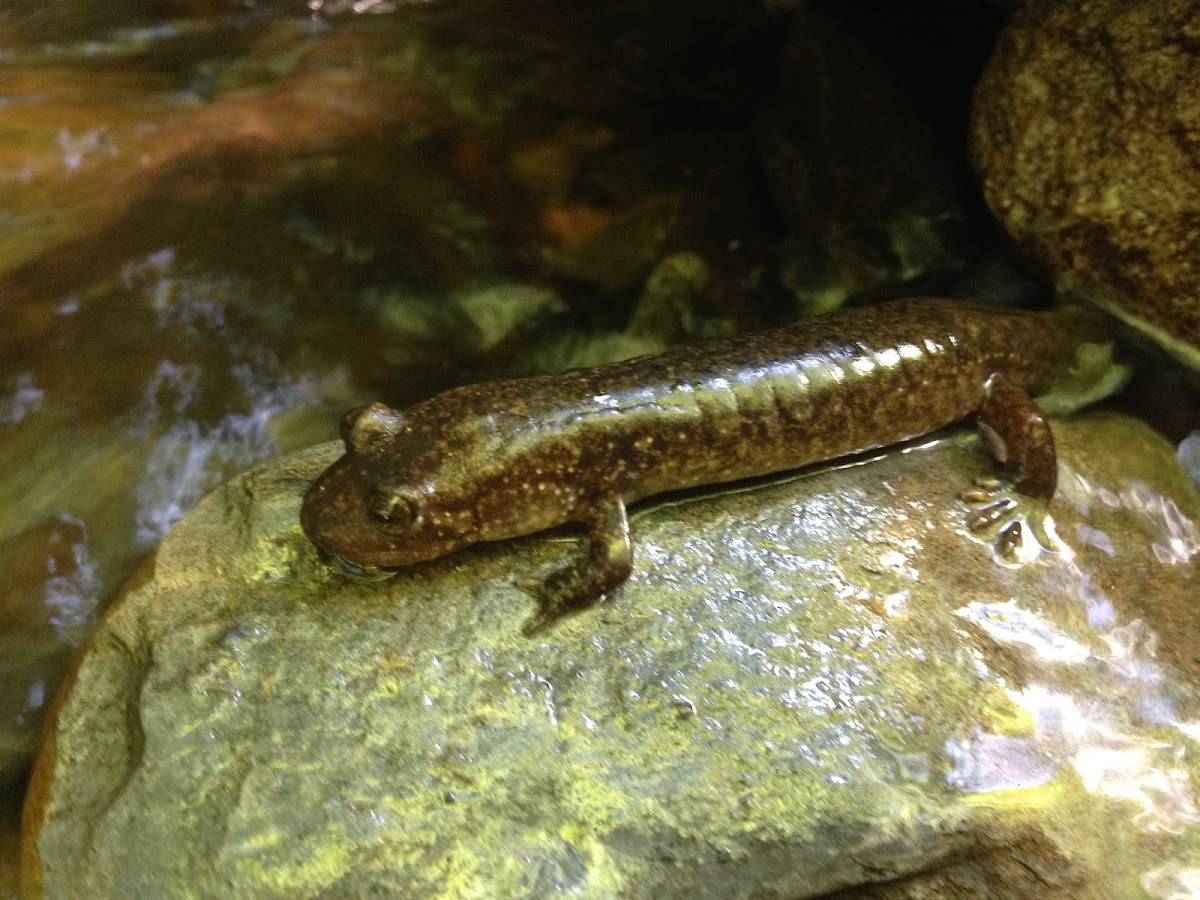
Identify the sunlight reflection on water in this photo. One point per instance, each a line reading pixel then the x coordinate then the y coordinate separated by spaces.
pixel 1172 882
pixel 1102 704
pixel 72 591
pixel 191 458
pixel 1189 455
pixel 191 450
pixel 25 399
pixel 377 7
pixel 97 143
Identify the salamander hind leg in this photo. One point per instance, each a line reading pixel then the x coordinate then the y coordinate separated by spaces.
pixel 607 562
pixel 1013 517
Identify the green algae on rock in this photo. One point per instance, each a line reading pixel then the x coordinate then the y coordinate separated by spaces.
pixel 814 684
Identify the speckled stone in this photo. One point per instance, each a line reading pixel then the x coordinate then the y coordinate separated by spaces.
pixel 1087 136
pixel 815 684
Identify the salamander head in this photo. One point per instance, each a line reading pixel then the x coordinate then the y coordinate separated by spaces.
pixel 392 500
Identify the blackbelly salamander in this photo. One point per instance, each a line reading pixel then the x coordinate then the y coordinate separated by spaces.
pixel 486 462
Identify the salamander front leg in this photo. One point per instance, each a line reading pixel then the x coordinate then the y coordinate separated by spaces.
pixel 1019 436
pixel 607 562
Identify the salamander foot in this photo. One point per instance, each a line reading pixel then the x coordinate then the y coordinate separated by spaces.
pixel 551 607
pixel 1017 527
pixel 605 563
pixel 563 592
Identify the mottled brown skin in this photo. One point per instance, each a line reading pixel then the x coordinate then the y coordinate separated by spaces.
pixel 487 462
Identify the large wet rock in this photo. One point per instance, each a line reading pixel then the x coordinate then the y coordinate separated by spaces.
pixel 818 683
pixel 1087 137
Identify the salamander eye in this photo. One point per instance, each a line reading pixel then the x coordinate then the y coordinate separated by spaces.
pixel 394 509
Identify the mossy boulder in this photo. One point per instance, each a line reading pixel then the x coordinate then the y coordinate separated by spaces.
pixel 1086 138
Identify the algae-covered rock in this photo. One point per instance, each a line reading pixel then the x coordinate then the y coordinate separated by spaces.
pixel 1085 134
pixel 818 683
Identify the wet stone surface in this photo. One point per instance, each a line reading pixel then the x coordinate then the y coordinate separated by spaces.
pixel 814 684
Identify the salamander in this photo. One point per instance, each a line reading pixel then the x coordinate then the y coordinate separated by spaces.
pixel 487 462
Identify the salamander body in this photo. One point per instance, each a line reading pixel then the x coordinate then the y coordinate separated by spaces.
pixel 487 462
